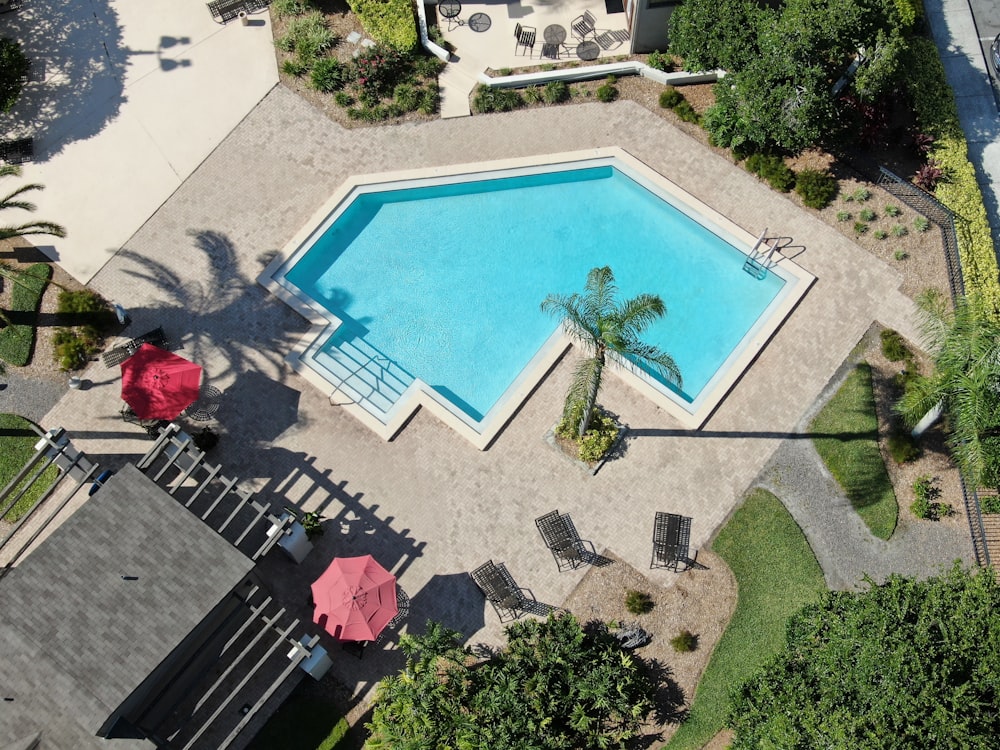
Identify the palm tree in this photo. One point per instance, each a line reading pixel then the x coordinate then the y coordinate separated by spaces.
pixel 602 325
pixel 14 200
pixel 965 344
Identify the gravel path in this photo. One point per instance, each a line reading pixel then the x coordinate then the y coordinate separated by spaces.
pixel 846 550
pixel 29 396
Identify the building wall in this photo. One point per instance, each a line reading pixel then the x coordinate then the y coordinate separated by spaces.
pixel 650 27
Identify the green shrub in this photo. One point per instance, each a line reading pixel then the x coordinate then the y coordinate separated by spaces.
pixel 427 66
pixel 71 351
pixel 880 234
pixel 901 255
pixel 430 98
pixel 293 66
pixel 844 216
pixel 902 447
pixel 406 96
pixel 894 347
pixel 532 94
pixel 921 224
pixel 925 505
pixel 866 214
pixel 599 438
pixel 670 97
pixel 816 188
pixel 989 504
pixel 607 92
pixel 638 602
pixel 555 92
pixel 686 112
pixel 286 8
pixel 892 210
pixel 684 642
pixel 773 169
pixel 860 227
pixel 388 22
pixel 343 99
pixel 660 61
pixel 85 307
pixel 860 195
pixel 17 341
pixel 899 231
pixel 308 37
pixel 329 74
pixel 489 99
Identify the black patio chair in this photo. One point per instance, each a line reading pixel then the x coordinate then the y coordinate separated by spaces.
pixel 17 151
pixel 584 26
pixel 119 354
pixel 671 539
pixel 497 584
pixel 562 539
pixel 525 36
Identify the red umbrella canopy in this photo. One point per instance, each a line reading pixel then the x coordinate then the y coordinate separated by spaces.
pixel 356 595
pixel 158 384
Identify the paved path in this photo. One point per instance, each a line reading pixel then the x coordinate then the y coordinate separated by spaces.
pixel 846 550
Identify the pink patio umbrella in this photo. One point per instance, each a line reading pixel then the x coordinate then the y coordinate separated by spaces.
pixel 355 598
pixel 158 384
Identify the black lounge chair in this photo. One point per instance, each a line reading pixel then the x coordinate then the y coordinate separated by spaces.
pixel 562 539
pixel 497 584
pixel 17 151
pixel 224 11
pixel 584 26
pixel 525 36
pixel 119 354
pixel 671 539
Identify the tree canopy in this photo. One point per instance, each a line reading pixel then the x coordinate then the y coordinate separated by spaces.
pixel 14 67
pixel 905 664
pixel 782 64
pixel 555 686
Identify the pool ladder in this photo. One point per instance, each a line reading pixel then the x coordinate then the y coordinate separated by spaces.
pixel 759 260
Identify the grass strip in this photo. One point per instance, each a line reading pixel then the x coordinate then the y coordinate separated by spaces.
pixel 845 435
pixel 17 445
pixel 17 341
pixel 776 574
pixel 302 723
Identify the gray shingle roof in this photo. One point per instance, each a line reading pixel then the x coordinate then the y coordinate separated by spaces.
pixel 76 638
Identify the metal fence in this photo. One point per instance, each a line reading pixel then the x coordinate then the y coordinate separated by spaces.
pixel 931 208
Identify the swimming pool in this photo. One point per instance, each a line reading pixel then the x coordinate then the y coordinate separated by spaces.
pixel 428 289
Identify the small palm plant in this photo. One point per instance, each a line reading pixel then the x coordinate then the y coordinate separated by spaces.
pixel 15 200
pixel 603 325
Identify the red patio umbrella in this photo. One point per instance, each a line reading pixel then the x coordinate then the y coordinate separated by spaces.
pixel 158 384
pixel 355 598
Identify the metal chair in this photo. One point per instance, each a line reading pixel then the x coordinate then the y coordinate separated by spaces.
pixel 671 539
pixel 499 588
pixel 584 26
pixel 525 36
pixel 562 539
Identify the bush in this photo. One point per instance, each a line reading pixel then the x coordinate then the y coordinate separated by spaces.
pixel 598 439
pixel 844 216
pixel 899 230
pixel 607 92
pixel 928 175
pixel 860 227
pixel 293 66
pixel 900 255
pixel 894 347
pixel 307 37
pixel 638 602
pixel 430 99
pixel 286 8
pixel 406 96
pixel 684 642
pixel 860 195
pixel 925 505
pixel 488 99
pixel 686 112
pixel 670 97
pixel 555 92
pixel 427 66
pixel 921 224
pixel 532 94
pixel 866 214
pixel 343 99
pixel 892 210
pixel 329 74
pixel 880 234
pixel 71 351
pixel 772 169
pixel 990 504
pixel 388 22
pixel 660 61
pixel 902 447
pixel 816 188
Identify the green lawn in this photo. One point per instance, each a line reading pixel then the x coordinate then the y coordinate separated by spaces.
pixel 845 435
pixel 17 445
pixel 777 574
pixel 302 723
pixel 17 341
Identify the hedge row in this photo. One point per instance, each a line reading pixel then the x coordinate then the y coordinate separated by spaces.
pixel 389 22
pixel 937 114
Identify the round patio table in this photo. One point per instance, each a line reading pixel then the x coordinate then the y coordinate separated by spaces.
pixel 449 9
pixel 554 34
pixel 589 50
pixel 479 22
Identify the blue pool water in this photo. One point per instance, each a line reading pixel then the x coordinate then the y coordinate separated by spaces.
pixel 446 281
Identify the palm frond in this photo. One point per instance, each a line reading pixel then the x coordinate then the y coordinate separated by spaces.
pixel 599 300
pixel 638 313
pixel 8 200
pixel 35 227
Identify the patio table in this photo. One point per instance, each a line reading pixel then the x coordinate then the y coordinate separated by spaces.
pixel 450 9
pixel 554 34
pixel 589 50
pixel 479 22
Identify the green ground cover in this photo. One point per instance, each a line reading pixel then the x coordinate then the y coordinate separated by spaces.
pixel 845 435
pixel 302 723
pixel 17 341
pixel 776 573
pixel 17 445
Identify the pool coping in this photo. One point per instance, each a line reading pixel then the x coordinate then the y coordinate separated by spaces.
pixel 418 394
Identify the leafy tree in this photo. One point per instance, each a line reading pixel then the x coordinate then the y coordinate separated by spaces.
pixel 965 344
pixel 602 325
pixel 15 200
pixel 14 67
pixel 711 34
pixel 556 685
pixel 905 664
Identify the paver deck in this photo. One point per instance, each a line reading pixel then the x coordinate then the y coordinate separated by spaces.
pixel 429 505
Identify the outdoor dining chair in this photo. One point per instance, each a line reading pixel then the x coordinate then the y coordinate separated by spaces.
pixel 584 25
pixel 671 538
pixel 525 36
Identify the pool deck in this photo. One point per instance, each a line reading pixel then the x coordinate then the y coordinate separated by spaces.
pixel 429 505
